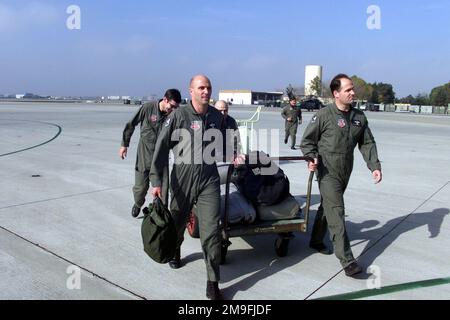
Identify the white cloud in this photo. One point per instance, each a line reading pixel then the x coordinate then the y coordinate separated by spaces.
pixel 31 15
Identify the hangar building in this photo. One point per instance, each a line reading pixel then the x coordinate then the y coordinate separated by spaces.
pixel 249 97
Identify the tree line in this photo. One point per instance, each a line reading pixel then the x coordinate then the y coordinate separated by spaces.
pixel 439 96
pixel 380 92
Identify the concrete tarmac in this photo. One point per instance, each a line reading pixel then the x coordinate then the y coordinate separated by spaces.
pixel 67 233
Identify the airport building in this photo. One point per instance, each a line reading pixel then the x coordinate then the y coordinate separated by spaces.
pixel 249 97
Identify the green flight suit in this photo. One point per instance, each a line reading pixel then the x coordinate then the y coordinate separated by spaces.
pixel 194 179
pixel 332 136
pixel 151 120
pixel 295 113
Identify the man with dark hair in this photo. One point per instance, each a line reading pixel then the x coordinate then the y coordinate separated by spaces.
pixel 151 116
pixel 194 178
pixel 293 116
pixel 330 139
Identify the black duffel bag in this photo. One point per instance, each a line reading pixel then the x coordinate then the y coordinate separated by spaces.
pixel 158 231
pixel 261 181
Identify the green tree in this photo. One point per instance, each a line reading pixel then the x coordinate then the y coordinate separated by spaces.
pixel 374 97
pixel 422 99
pixel 363 90
pixel 440 96
pixel 316 86
pixel 409 99
pixel 382 93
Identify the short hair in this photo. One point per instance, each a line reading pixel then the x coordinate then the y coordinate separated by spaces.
pixel 292 98
pixel 173 94
pixel 335 84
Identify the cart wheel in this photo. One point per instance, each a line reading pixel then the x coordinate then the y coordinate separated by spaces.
pixel 281 246
pixel 192 226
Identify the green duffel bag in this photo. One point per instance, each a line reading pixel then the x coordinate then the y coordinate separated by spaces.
pixel 158 231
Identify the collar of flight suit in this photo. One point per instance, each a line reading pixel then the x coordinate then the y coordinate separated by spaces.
pixel 336 110
pixel 192 110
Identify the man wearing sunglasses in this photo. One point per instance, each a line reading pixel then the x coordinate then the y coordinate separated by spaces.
pixel 151 116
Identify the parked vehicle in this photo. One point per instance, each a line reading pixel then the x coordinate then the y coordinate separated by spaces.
pixel 311 104
pixel 373 107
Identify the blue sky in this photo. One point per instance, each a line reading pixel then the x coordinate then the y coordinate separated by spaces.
pixel 142 48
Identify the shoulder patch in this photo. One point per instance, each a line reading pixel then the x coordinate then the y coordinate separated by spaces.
pixel 356 123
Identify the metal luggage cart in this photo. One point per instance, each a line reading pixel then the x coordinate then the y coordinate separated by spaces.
pixel 284 228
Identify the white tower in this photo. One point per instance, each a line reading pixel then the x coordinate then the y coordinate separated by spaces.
pixel 311 72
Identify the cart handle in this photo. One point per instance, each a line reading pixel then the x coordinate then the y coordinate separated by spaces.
pixel 290 158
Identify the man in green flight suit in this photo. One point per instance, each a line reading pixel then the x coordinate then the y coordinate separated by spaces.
pixel 293 116
pixel 330 139
pixel 191 131
pixel 151 116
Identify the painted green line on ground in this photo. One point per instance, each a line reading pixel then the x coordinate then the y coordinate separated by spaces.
pixel 389 289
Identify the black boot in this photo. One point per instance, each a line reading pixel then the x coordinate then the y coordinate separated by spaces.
pixel 135 211
pixel 352 269
pixel 213 291
pixel 175 263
